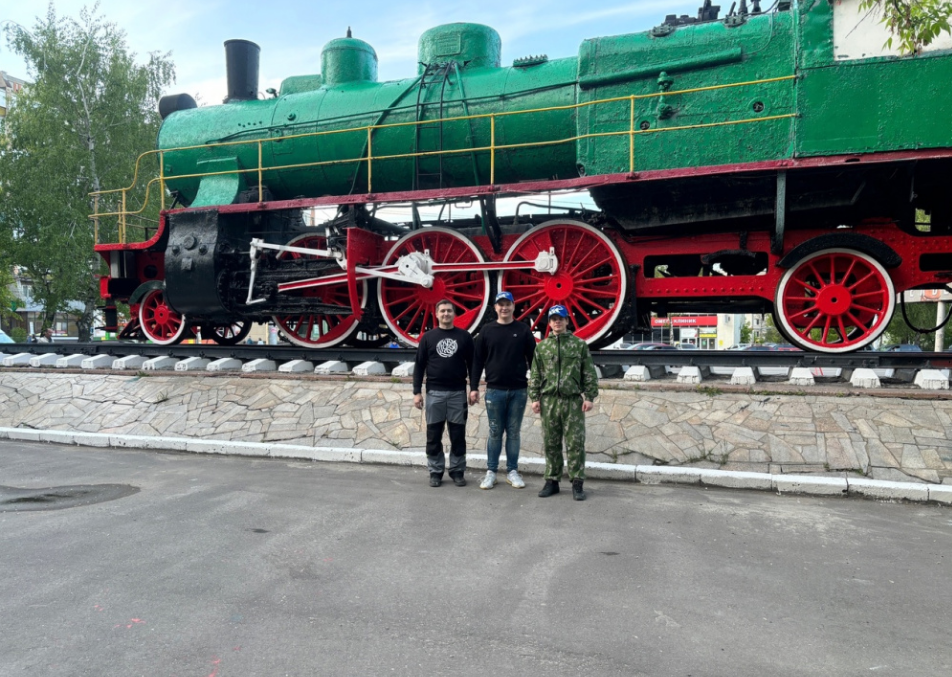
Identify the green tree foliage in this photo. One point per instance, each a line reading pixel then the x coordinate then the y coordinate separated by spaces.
pixel 913 23
pixel 746 332
pixel 771 333
pixel 90 111
pixel 922 316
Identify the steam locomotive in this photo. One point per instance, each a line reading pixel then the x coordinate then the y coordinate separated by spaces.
pixel 774 161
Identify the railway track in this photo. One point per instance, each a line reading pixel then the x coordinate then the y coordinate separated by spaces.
pixel 719 361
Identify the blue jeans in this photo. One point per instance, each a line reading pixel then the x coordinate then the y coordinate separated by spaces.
pixel 504 409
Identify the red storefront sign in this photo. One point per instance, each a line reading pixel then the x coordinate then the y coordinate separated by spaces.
pixel 687 321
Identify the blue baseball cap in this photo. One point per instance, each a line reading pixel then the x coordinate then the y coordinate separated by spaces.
pixel 504 296
pixel 560 311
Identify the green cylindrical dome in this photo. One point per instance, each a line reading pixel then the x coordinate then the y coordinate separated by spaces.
pixel 348 60
pixel 472 45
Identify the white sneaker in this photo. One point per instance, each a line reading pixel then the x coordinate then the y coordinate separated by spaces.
pixel 489 481
pixel 515 479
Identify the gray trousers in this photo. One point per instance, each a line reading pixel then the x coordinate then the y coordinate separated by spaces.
pixel 446 409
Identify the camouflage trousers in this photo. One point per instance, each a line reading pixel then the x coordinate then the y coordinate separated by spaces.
pixel 562 419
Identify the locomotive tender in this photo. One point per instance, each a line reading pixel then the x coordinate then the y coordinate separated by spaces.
pixel 757 162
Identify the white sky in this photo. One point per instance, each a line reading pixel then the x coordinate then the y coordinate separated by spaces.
pixel 291 33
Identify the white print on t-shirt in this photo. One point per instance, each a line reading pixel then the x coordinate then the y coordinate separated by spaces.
pixel 446 348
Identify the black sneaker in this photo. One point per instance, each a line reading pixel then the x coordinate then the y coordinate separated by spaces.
pixel 551 487
pixel 577 492
pixel 436 480
pixel 458 480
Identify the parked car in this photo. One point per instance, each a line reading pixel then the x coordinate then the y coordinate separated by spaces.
pixel 762 346
pixel 4 338
pixel 901 348
pixel 685 346
pixel 739 346
pixel 650 346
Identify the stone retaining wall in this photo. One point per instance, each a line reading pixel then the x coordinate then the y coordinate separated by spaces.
pixel 883 436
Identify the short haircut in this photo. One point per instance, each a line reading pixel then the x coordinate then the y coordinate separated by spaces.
pixel 444 302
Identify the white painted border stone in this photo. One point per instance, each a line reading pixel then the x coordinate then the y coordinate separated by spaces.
pixel 664 474
pixel 97 362
pixel 70 361
pixel 690 375
pixel 192 364
pixel 883 489
pixel 45 360
pixel 160 363
pixel 638 372
pixel 224 364
pixel 801 376
pixel 129 362
pixel 370 369
pixel 260 364
pixel 729 479
pixel 296 367
pixel 941 493
pixel 931 379
pixel 743 376
pixel 864 378
pixel 816 486
pixel 404 369
pixel 609 471
pixel 331 367
pixel 18 360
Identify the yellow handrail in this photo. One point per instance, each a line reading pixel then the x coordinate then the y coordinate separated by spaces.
pixel 492 148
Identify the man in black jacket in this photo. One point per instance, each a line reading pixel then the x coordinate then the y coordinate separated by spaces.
pixel 505 348
pixel 445 354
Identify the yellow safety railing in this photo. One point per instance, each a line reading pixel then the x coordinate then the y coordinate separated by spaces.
pixel 123 214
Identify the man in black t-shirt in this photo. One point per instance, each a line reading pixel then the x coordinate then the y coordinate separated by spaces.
pixel 505 348
pixel 445 354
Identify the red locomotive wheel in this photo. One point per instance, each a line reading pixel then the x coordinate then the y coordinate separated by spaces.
pixel 835 301
pixel 409 309
pixel 320 330
pixel 591 280
pixel 158 321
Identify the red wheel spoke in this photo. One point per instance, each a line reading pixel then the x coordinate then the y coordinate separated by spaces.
pixel 878 292
pixel 868 276
pixel 871 311
pixel 842 328
pixel 802 313
pixel 857 322
pixel 849 271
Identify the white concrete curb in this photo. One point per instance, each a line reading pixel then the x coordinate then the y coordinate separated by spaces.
pixel 645 474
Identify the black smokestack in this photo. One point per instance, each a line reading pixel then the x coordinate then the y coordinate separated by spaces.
pixel 241 63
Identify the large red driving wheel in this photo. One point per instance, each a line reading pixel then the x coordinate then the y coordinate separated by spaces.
pixel 158 322
pixel 409 309
pixel 591 280
pixel 320 330
pixel 835 301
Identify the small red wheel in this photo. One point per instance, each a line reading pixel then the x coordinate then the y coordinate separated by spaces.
pixel 409 309
pixel 227 334
pixel 158 321
pixel 320 330
pixel 835 301
pixel 591 280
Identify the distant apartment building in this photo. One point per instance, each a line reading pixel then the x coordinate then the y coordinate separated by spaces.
pixel 9 87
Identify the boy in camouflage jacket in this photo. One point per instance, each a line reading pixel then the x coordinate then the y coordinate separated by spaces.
pixel 562 385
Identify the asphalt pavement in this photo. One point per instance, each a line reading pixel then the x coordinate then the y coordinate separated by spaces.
pixel 217 566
